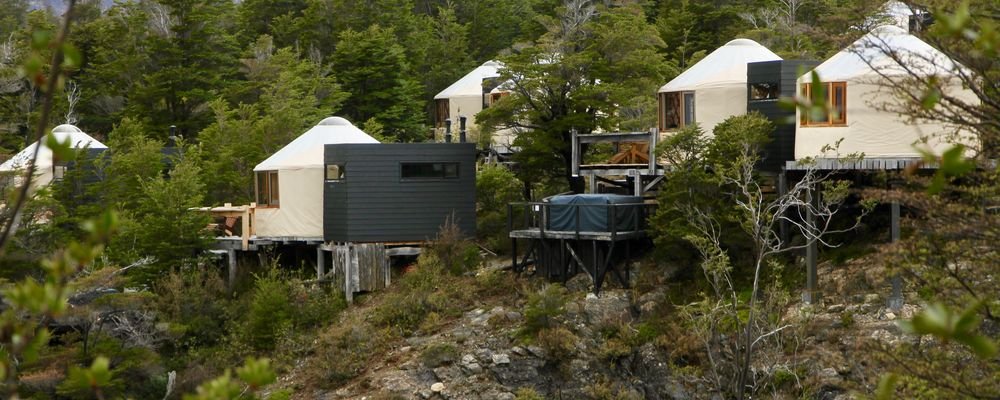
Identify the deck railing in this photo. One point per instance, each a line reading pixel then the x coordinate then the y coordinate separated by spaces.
pixel 537 216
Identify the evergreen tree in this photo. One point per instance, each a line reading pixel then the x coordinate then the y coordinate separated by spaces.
pixel 372 66
pixel 575 77
pixel 193 59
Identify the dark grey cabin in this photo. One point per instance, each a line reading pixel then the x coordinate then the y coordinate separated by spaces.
pixel 767 81
pixel 400 192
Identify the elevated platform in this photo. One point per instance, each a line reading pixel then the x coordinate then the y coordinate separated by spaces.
pixel 537 233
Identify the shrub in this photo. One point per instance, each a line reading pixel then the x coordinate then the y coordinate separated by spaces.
pixel 527 393
pixel 193 302
pixel 456 254
pixel 270 311
pixel 438 354
pixel 544 307
pixel 343 352
pixel 559 343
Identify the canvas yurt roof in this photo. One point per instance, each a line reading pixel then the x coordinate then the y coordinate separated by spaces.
pixel 62 133
pixel 306 151
pixel 727 65
pixel 472 83
pixel 871 53
pixel 896 13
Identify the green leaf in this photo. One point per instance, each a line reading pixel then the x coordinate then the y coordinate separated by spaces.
pixel 886 387
pixel 72 58
pixel 257 373
pixel 931 98
pixel 41 39
pixel 62 151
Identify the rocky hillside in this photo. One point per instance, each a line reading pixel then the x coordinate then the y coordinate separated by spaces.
pixel 528 341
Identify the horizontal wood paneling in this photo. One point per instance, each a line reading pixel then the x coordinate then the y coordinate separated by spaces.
pixel 781 148
pixel 374 204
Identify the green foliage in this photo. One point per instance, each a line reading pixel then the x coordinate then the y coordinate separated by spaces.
pixel 939 321
pixel 579 75
pixel 544 307
pixel 558 343
pixel 456 253
pixel 85 383
pixel 253 375
pixel 497 186
pixel 527 393
pixel 373 67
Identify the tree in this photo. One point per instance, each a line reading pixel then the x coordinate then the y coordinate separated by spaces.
pixel 282 97
pixel 193 60
pixel 372 66
pixel 578 76
pixel 734 348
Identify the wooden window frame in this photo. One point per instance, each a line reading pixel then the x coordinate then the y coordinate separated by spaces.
pixel 270 190
pixel 832 120
pixel 682 110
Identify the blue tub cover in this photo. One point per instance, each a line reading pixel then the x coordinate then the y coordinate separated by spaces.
pixel 593 217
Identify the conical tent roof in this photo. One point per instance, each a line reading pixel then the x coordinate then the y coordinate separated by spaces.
pixel 472 83
pixel 62 133
pixel 727 65
pixel 306 151
pixel 872 55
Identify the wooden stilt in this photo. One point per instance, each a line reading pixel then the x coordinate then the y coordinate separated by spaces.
pixel 811 295
pixel 320 262
pixel 895 300
pixel 231 256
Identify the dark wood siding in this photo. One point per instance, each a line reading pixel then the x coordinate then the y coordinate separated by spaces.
pixel 374 204
pixel 782 145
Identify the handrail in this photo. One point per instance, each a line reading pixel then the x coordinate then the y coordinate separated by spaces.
pixel 537 214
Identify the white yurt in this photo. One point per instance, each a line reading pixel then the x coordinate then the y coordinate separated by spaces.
pixel 712 89
pixel 46 168
pixel 856 81
pixel 289 183
pixel 465 97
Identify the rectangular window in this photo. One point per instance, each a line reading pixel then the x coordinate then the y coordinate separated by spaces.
pixel 335 172
pixel 58 172
pixel 267 188
pixel 441 113
pixel 688 108
pixel 495 97
pixel 670 110
pixel 764 91
pixel 836 102
pixel 428 170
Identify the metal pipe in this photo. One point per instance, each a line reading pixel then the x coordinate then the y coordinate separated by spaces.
pixel 447 130
pixel 461 129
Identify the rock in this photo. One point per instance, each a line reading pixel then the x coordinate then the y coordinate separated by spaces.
pixel 468 359
pixel 890 315
pixel 836 308
pixel 579 283
pixel 405 349
pixel 519 350
pixel 872 298
pixel 501 358
pixel 506 396
pixel 437 387
pixel 448 374
pixel 425 394
pixel 472 368
pixel 513 316
pixel 611 308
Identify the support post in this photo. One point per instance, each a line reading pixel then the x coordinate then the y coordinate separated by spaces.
pixel 895 300
pixel 320 262
pixel 575 142
pixel 231 255
pixel 592 183
pixel 636 182
pixel 811 295
pixel 348 287
pixel 782 191
pixel 654 137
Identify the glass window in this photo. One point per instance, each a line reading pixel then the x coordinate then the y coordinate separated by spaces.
pixel 836 100
pixel 334 172
pixel 688 108
pixel 428 170
pixel 267 188
pixel 764 91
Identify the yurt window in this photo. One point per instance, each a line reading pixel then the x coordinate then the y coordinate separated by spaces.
pixel 428 170
pixel 58 172
pixel 267 188
pixel 688 110
pixel 495 97
pixel 670 110
pixel 335 172
pixel 441 113
pixel 836 97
